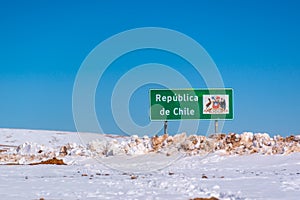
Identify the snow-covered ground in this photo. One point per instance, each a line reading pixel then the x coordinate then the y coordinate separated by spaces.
pixel 140 172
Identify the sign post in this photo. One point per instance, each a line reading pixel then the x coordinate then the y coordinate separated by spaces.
pixel 165 127
pixel 191 104
pixel 216 126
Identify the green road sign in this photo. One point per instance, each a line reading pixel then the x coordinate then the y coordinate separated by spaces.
pixel 179 104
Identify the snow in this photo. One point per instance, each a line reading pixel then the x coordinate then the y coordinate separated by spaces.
pixel 111 167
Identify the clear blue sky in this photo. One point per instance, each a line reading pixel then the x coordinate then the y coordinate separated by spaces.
pixel 255 45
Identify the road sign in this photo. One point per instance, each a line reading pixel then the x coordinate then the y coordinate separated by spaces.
pixel 183 104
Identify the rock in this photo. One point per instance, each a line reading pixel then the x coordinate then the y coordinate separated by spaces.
pixel 63 151
pixel 157 141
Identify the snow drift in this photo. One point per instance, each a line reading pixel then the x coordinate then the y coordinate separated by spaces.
pixel 230 144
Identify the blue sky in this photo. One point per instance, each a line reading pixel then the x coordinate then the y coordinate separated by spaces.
pixel 255 45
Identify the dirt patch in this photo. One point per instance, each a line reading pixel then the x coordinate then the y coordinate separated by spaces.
pixel 210 198
pixel 10 164
pixel 53 161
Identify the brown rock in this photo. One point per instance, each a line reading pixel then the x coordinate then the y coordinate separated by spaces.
pixel 157 141
pixel 204 177
pixel 133 177
pixel 63 151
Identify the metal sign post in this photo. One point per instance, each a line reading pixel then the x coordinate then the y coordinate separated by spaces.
pixel 165 127
pixel 216 126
